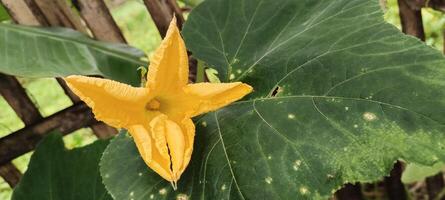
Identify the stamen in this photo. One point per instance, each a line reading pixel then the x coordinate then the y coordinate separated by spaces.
pixel 153 105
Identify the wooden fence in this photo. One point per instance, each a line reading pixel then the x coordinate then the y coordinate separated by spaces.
pixel 93 17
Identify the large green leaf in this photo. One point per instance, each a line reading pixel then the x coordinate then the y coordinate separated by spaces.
pixel 339 96
pixel 56 173
pixel 50 52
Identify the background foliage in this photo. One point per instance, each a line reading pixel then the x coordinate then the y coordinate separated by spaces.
pixel 77 170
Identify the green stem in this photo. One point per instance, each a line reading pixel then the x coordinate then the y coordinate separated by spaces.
pixel 200 72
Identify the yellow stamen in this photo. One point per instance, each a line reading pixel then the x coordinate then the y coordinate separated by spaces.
pixel 153 105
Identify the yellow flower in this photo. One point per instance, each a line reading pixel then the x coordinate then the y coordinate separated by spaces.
pixel 158 116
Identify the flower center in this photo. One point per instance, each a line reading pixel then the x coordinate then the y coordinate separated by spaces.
pixel 153 105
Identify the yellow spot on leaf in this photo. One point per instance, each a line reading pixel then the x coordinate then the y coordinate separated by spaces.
pixel 303 190
pixel 204 124
pixel 182 197
pixel 163 191
pixel 296 165
pixel 369 116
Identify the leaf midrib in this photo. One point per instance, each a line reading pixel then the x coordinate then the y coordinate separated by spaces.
pixel 227 157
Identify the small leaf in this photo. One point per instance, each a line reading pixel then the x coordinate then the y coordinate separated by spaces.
pixel 414 172
pixel 212 75
pixel 53 52
pixel 3 13
pixel 57 173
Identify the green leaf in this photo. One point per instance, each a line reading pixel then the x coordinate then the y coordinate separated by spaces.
pixel 57 173
pixel 414 172
pixel 339 96
pixel 52 52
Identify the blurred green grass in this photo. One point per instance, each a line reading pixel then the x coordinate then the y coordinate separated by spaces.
pixel 140 31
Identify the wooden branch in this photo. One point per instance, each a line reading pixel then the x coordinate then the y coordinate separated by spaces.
pixel 99 20
pixel 193 69
pixel 411 20
pixel 419 4
pixel 26 139
pixel 19 101
pixel 350 192
pixel 74 98
pixel 373 190
pixel 435 185
pixel 173 5
pixel 161 12
pixel 58 13
pixel 11 174
pixel 21 12
pixel 393 184
pixel 103 131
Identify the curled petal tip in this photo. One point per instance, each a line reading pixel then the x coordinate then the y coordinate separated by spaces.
pixel 174 185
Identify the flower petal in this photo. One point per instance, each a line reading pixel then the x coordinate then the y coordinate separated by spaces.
pixel 171 144
pixel 176 145
pixel 115 103
pixel 158 131
pixel 212 96
pixel 150 154
pixel 168 70
pixel 189 128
